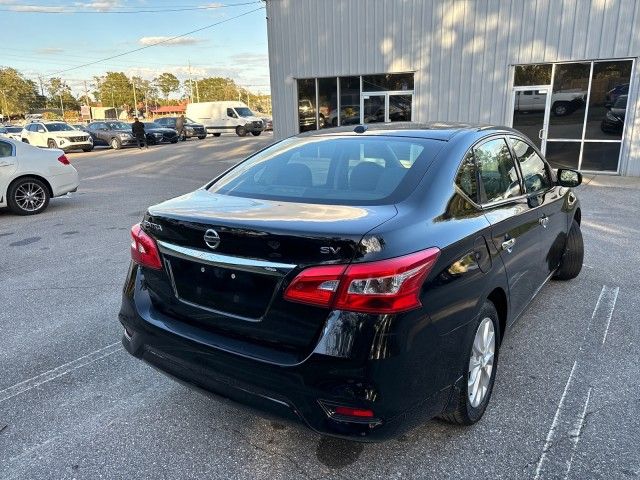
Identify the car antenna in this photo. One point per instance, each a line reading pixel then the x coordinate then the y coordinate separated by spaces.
pixel 360 128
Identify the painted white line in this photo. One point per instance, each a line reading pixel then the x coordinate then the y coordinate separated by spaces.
pixel 611 305
pixel 57 372
pixel 576 431
pixel 554 423
pixel 604 287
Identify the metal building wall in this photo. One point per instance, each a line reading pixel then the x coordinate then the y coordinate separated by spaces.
pixel 461 51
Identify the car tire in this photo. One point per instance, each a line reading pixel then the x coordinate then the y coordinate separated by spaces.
pixel 115 143
pixel 256 134
pixel 175 140
pixel 202 137
pixel 560 109
pixel 24 140
pixel 87 149
pixel 241 131
pixel 18 190
pixel 465 407
pixel 571 261
pixel 51 143
pixel 217 134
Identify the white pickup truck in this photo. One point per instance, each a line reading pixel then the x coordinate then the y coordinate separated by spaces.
pixel 563 102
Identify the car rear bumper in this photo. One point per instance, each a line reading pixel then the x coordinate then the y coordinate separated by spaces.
pixel 65 182
pixel 298 391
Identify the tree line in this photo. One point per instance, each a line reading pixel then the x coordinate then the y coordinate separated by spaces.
pixel 20 95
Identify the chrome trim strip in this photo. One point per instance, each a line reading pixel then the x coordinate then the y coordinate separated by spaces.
pixel 228 261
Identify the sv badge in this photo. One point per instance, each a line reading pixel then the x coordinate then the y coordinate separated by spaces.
pixel 329 250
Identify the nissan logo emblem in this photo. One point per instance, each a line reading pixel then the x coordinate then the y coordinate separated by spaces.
pixel 212 239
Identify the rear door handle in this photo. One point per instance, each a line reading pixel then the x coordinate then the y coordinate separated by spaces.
pixel 544 221
pixel 508 244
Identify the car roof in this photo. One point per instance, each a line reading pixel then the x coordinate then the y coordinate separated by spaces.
pixel 444 131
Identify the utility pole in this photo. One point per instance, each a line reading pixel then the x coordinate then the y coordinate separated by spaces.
pixel 197 91
pixel 135 99
pixel 5 110
pixel 41 86
pixel 190 83
pixel 86 94
pixel 61 106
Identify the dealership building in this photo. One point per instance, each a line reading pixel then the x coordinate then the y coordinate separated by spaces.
pixel 564 72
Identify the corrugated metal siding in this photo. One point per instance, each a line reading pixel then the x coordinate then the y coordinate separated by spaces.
pixel 461 50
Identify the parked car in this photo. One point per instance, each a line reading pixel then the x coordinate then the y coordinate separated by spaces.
pixel 563 102
pixel 13 131
pixel 349 115
pixel 29 176
pixel 56 135
pixel 191 128
pixel 111 133
pixel 268 124
pixel 219 117
pixel 613 94
pixel 613 121
pixel 307 116
pixel 360 281
pixel 158 134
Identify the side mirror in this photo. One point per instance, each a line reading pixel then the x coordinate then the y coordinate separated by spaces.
pixel 569 178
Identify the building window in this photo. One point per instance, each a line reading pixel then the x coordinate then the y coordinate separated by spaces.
pixel 327 101
pixel 307 104
pixel 334 101
pixel 578 119
pixel 537 74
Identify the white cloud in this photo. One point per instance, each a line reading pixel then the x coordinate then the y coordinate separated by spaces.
pixel 49 50
pixel 35 9
pixel 100 5
pixel 169 40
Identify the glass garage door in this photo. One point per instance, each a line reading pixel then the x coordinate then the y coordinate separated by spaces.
pixel 584 117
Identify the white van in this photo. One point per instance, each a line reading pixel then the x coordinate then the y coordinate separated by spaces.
pixel 220 117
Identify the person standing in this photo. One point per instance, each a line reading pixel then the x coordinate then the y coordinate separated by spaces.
pixel 138 131
pixel 182 134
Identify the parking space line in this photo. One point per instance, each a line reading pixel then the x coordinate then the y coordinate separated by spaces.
pixel 59 371
pixel 575 433
pixel 568 420
pixel 554 423
pixel 610 305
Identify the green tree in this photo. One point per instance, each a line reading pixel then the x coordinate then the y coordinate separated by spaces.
pixel 167 83
pixel 60 92
pixel 114 89
pixel 18 95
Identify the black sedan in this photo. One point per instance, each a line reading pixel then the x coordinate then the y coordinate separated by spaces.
pixel 191 128
pixel 158 134
pixel 358 280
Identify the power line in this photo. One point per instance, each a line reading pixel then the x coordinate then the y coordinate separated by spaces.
pixel 61 9
pixel 166 40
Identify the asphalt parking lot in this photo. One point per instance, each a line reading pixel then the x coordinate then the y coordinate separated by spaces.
pixel 74 404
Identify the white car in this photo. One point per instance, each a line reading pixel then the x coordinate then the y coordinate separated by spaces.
pixel 56 135
pixel 29 176
pixel 12 131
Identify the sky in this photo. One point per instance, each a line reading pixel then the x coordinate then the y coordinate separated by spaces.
pixel 45 38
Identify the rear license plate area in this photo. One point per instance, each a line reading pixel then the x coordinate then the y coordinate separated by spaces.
pixel 222 289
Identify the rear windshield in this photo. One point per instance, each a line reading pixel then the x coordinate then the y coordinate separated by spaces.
pixel 14 129
pixel 332 170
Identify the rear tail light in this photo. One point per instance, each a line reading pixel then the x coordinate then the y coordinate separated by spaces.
pixel 144 250
pixel 343 413
pixel 353 412
pixel 386 286
pixel 64 160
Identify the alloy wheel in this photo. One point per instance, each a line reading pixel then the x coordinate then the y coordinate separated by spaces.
pixel 30 196
pixel 481 362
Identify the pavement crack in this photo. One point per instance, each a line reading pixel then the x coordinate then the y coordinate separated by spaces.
pixel 288 458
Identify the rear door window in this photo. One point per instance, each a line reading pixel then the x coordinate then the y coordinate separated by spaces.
pixel 6 149
pixel 467 179
pixel 498 174
pixel 332 170
pixel 534 170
